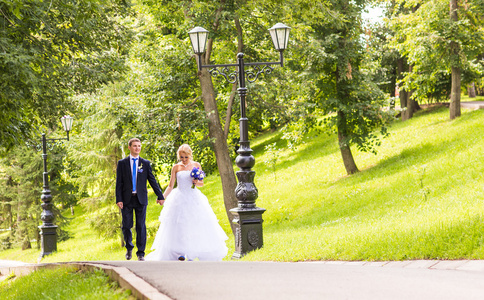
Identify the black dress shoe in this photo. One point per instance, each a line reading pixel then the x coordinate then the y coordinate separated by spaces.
pixel 141 258
pixel 128 254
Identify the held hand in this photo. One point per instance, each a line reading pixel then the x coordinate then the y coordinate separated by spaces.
pixel 120 204
pixel 160 202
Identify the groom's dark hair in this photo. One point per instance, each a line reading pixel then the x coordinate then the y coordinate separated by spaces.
pixel 133 140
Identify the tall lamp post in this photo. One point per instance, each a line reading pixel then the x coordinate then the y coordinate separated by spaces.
pixel 248 217
pixel 48 230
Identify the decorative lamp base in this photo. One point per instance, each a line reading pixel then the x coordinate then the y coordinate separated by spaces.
pixel 248 231
pixel 48 236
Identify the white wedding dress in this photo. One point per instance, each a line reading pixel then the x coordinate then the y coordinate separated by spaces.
pixel 188 226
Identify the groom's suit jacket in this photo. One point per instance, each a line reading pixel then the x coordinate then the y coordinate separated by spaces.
pixel 124 183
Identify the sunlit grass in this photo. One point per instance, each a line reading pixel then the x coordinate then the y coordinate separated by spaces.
pixel 467 98
pixel 64 282
pixel 420 197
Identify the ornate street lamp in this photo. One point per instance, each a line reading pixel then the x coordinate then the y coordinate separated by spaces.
pixel 248 217
pixel 48 230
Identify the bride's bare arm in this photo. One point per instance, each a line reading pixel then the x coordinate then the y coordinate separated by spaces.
pixel 172 182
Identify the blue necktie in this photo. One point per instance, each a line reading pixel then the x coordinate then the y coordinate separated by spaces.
pixel 134 174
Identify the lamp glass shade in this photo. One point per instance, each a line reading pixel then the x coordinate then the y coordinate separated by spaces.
pixel 198 37
pixel 67 122
pixel 280 36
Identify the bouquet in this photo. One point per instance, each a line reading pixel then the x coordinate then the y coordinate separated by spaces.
pixel 197 174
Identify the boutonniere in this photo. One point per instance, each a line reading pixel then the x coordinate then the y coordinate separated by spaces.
pixel 140 168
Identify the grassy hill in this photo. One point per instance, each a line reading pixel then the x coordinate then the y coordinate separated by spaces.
pixel 420 197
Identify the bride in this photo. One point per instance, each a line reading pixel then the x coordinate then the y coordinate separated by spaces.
pixel 188 227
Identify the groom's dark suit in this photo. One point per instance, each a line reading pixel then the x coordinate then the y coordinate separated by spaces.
pixel 135 202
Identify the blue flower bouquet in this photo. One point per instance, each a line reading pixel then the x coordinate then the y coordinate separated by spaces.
pixel 197 174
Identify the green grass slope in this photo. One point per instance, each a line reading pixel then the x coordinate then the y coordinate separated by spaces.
pixel 420 197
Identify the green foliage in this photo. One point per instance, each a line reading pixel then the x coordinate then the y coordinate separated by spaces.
pixel 21 192
pixel 94 152
pixel 294 134
pixel 342 85
pixel 433 43
pixel 380 61
pixel 63 282
pixel 106 221
pixel 97 146
pixel 171 112
pixel 272 156
pixel 49 50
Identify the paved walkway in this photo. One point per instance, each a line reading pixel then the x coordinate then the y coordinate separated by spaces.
pixel 305 280
pixel 472 104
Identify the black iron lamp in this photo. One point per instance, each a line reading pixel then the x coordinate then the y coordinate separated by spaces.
pixel 248 217
pixel 48 230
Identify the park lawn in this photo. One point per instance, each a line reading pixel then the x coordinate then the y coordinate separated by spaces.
pixel 465 98
pixel 63 282
pixel 420 197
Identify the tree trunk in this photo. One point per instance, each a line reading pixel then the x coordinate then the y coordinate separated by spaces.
pixel 402 93
pixel 416 106
pixel 344 147
pixel 411 105
pixel 455 94
pixel 38 238
pixel 408 112
pixel 471 90
pixel 224 163
pixel 26 243
pixel 456 71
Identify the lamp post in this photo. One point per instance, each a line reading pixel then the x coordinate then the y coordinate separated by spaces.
pixel 48 230
pixel 248 217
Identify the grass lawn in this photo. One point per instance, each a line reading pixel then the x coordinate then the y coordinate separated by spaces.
pixel 465 98
pixel 63 282
pixel 420 197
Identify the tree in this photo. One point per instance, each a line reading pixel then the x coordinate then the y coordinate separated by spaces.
pixel 343 88
pixel 438 43
pixel 455 66
pixel 227 21
pixel 21 193
pixel 50 50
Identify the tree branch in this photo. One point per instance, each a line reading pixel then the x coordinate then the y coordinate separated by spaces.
pixel 216 23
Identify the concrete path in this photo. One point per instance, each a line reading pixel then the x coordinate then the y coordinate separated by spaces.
pixel 315 280
pixel 472 104
pixel 304 280
pixel 11 263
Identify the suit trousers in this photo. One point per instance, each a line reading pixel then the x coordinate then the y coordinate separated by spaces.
pixel 140 212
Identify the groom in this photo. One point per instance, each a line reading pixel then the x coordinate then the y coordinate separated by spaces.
pixel 132 195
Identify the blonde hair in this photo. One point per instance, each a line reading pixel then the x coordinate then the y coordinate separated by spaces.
pixel 184 148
